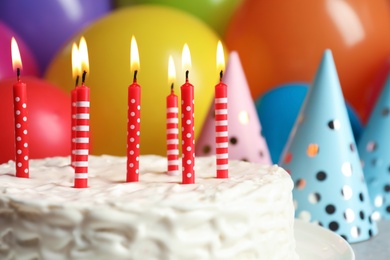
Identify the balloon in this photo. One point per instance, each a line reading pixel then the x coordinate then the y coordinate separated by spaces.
pixel 163 33
pixel 46 25
pixel 30 66
pixel 282 41
pixel 216 14
pixel 278 110
pixel 48 119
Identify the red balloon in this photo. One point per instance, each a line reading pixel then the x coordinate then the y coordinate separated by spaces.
pixel 283 41
pixel 30 67
pixel 48 119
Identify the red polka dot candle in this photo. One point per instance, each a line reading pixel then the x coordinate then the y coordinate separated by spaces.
pixel 221 118
pixel 133 117
pixel 82 118
pixel 187 123
pixel 20 115
pixel 172 123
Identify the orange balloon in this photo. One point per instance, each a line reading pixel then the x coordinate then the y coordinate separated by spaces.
pixel 282 41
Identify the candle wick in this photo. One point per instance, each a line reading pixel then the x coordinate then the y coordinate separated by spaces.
pixel 135 76
pixel 77 80
pixel 221 75
pixel 172 89
pixel 83 78
pixel 18 73
pixel 187 72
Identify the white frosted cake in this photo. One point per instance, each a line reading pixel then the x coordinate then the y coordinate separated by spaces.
pixel 250 215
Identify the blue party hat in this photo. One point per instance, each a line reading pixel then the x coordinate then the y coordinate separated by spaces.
pixel 322 158
pixel 374 150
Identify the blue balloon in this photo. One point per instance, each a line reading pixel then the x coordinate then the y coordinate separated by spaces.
pixel 45 25
pixel 278 109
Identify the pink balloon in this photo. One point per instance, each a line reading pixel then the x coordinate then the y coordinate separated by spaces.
pixel 30 67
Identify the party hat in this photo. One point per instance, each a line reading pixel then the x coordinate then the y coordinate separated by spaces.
pixel 374 151
pixel 322 158
pixel 245 139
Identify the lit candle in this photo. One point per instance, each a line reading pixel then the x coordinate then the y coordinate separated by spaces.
pixel 82 123
pixel 76 70
pixel 172 123
pixel 221 118
pixel 20 115
pixel 187 123
pixel 133 117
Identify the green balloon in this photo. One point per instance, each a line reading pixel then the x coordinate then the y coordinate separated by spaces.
pixel 216 14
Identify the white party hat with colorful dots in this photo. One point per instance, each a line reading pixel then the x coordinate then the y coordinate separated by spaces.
pixel 322 159
pixel 245 139
pixel 374 150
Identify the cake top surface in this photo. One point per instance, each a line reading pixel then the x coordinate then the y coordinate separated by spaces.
pixel 51 183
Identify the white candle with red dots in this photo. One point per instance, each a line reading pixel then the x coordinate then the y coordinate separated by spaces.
pixel 20 115
pixel 221 119
pixel 133 118
pixel 82 124
pixel 76 70
pixel 187 123
pixel 172 124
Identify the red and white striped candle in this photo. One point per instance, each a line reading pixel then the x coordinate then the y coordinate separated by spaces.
pixel 82 123
pixel 172 123
pixel 133 118
pixel 187 123
pixel 221 119
pixel 73 95
pixel 20 115
pixel 76 70
pixel 81 151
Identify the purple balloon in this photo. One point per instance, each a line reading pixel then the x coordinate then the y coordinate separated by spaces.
pixel 45 25
pixel 30 66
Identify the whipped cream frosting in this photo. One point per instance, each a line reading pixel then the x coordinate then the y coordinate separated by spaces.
pixel 250 215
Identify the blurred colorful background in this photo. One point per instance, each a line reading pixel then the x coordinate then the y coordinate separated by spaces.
pixel 277 47
pixel 280 44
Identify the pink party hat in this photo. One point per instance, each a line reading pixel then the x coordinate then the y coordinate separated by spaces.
pixel 244 129
pixel 374 151
pixel 322 159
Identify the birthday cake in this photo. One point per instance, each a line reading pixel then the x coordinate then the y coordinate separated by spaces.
pixel 250 215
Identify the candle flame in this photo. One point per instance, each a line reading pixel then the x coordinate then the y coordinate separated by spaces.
pixel 83 55
pixel 134 56
pixel 220 57
pixel 186 58
pixel 76 62
pixel 16 59
pixel 171 71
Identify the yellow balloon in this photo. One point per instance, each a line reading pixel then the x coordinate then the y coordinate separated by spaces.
pixel 159 32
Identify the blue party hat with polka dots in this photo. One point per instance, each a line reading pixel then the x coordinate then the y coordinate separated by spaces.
pixel 374 149
pixel 322 159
